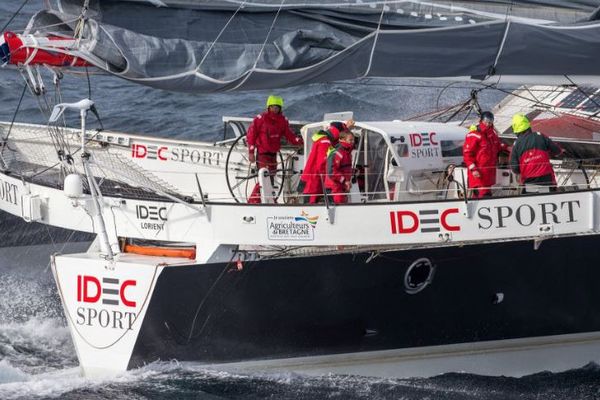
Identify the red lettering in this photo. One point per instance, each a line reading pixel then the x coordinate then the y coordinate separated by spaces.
pixel 160 153
pixel 432 140
pixel 402 228
pixel 87 298
pixel 393 222
pixel 445 224
pixel 78 287
pixel 124 286
pixel 139 151
pixel 416 140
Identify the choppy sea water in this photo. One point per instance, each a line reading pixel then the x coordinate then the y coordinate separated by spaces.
pixel 37 358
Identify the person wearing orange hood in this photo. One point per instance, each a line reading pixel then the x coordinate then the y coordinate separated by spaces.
pixel 264 139
pixel 338 180
pixel 313 175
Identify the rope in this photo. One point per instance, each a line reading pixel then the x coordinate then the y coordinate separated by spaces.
pixel 14 16
pixel 12 122
pixel 262 48
pixel 492 70
pixel 375 40
pixel 583 91
pixel 208 293
pixel 89 83
pixel 219 35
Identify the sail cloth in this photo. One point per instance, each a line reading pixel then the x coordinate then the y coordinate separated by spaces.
pixel 216 45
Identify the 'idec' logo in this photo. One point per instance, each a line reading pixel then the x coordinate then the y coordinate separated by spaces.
pixel 423 139
pixel 89 290
pixel 426 221
pixel 149 152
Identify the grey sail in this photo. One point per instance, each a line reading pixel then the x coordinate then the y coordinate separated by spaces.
pixel 211 46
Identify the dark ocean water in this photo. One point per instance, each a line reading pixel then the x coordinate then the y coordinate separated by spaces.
pixel 37 358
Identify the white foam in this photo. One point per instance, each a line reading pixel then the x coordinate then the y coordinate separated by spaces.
pixel 8 373
pixel 57 383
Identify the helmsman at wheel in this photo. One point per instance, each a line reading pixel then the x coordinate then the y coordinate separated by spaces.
pixel 264 139
pixel 480 153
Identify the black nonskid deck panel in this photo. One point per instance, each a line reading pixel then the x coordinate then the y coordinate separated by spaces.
pixel 339 303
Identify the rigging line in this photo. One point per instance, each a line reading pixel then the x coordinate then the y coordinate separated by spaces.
pixel 44 27
pixel 14 16
pixel 208 293
pixel 464 106
pixel 590 98
pixel 89 83
pixel 383 7
pixel 516 95
pixel 262 48
pixel 492 70
pixel 415 85
pixel 67 242
pixel 219 35
pixel 435 113
pixel 12 122
pixel 466 116
pixel 507 20
pixel 538 101
pixel 437 102
pixel 548 107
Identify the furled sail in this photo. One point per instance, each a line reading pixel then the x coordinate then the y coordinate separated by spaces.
pixel 220 45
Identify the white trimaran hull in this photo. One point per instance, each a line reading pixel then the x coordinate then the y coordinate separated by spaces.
pixel 106 301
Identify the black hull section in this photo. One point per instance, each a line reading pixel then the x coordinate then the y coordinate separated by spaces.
pixel 15 232
pixel 342 304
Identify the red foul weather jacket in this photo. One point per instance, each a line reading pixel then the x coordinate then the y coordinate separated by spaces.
pixel 480 153
pixel 265 132
pixel 314 170
pixel 530 156
pixel 339 167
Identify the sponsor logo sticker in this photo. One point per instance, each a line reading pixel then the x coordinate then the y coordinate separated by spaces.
pixel 176 154
pixel 151 217
pixel 424 145
pixel 104 302
pixel 299 228
pixel 8 192
pixel 424 221
pixel 524 215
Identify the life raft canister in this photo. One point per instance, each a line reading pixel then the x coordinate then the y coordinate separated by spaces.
pixel 176 252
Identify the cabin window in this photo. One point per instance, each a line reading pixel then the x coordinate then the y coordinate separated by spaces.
pixel 375 165
pixel 401 149
pixel 452 148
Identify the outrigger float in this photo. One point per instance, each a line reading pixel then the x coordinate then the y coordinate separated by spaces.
pixel 410 278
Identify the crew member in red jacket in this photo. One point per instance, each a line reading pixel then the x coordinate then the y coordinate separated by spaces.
pixel 338 180
pixel 480 153
pixel 264 139
pixel 313 175
pixel 531 152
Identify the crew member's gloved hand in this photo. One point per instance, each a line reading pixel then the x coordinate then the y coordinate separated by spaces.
pixel 251 157
pixel 347 186
pixel 476 174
